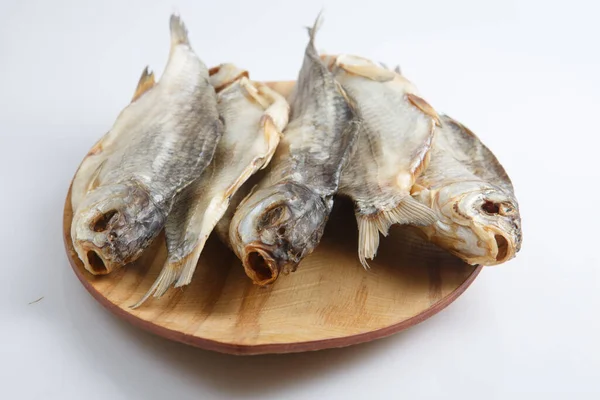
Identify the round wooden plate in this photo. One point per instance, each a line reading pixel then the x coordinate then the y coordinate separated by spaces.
pixel 330 301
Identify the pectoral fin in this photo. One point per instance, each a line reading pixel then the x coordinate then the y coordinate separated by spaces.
pixel 424 107
pixel 408 212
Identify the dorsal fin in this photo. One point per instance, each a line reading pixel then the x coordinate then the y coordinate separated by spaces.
pixel 145 83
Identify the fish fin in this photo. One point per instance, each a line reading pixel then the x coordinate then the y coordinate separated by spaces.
pixel 422 158
pixel 253 93
pixel 384 65
pixel 145 83
pixel 165 280
pixel 179 33
pixel 224 75
pixel 211 217
pixel 416 189
pixel 312 31
pixel 424 107
pixel 398 70
pixel 344 94
pixel 368 239
pixel 279 109
pixel 273 136
pixel 367 70
pixel 95 179
pixel 408 212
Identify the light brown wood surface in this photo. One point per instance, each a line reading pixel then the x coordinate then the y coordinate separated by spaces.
pixel 330 301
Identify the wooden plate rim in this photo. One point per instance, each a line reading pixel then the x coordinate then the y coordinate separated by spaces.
pixel 238 349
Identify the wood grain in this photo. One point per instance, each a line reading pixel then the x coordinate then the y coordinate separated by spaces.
pixel 330 301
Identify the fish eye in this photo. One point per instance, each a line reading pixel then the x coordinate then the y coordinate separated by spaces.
pixel 100 224
pixel 272 216
pixel 490 207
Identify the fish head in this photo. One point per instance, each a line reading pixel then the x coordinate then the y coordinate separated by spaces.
pixel 274 228
pixel 478 222
pixel 113 225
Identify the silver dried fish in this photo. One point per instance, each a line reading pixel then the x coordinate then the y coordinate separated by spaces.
pixel 159 144
pixel 254 117
pixel 478 214
pixel 397 128
pixel 283 220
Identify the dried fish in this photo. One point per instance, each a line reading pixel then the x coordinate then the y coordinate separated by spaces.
pixel 478 214
pixel 159 144
pixel 254 117
pixel 393 149
pixel 283 219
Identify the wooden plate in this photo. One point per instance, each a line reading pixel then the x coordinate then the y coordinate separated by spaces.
pixel 330 301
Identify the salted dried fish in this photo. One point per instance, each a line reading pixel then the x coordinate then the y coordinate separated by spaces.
pixel 159 144
pixel 254 117
pixel 477 211
pixel 283 220
pixel 393 149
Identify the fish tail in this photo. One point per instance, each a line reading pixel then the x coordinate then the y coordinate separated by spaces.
pixel 188 266
pixel 312 31
pixel 165 279
pixel 179 33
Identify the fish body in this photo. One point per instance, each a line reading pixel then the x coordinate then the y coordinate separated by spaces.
pixel 397 129
pixel 253 117
pixel 283 219
pixel 160 143
pixel 472 196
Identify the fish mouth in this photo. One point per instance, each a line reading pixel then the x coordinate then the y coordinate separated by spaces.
pixel 503 248
pixel 260 265
pixel 95 264
pixel 94 261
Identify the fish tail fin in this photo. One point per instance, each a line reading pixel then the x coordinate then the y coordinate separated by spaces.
pixel 312 31
pixel 179 33
pixel 165 279
pixel 368 238
pixel 188 266
pixel 213 214
pixel 398 70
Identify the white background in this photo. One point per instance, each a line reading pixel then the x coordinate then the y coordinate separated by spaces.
pixel 524 75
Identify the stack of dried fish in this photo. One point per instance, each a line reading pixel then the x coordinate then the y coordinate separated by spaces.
pixel 182 155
